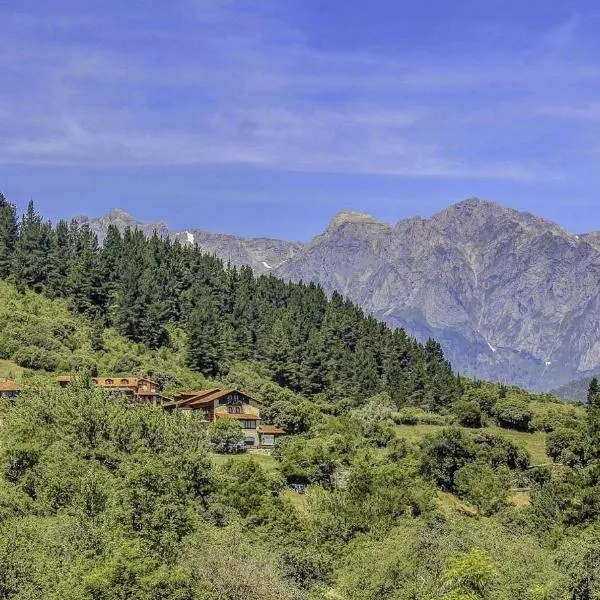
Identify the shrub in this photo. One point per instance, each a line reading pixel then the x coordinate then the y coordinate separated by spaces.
pixel 467 413
pixel 127 364
pixel 498 451
pixel 444 453
pixel 227 436
pixel 513 413
pixel 483 487
pixel 32 357
pixel 565 445
pixel 410 415
pixel 486 396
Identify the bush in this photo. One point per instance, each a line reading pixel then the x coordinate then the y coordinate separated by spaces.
pixel 32 357
pixel 498 451
pixel 379 435
pixel 483 487
pixel 294 418
pixel 410 415
pixel 126 364
pixel 444 453
pixel 565 445
pixel 486 396
pixel 467 413
pixel 513 413
pixel 552 417
pixel 308 460
pixel 227 436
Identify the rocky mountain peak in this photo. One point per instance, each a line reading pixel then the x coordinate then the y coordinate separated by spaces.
pixel 348 216
pixel 120 214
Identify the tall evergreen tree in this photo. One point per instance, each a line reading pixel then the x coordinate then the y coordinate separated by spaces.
pixel 128 308
pixel 593 390
pixel 8 235
pixel 283 368
pixel 204 343
pixel 366 376
pixel 86 286
pixel 31 251
pixel 59 261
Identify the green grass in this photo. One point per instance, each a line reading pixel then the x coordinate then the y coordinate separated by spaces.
pixel 11 370
pixel 534 443
pixel 266 461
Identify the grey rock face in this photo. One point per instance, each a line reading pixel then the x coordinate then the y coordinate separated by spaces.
pixel 121 220
pixel 512 297
pixel 262 254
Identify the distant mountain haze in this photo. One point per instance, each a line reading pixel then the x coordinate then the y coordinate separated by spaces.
pixel 512 297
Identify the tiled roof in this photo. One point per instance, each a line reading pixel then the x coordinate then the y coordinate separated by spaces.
pixel 195 395
pixel 117 381
pixel 120 381
pixel 270 430
pixel 240 416
pixel 205 397
pixel 7 385
pixel 154 395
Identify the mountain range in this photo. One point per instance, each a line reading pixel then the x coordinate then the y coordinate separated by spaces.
pixel 512 297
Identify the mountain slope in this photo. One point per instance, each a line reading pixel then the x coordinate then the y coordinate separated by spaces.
pixel 511 296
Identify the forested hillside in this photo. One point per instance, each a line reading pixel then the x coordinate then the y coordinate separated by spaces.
pixel 420 484
pixel 146 287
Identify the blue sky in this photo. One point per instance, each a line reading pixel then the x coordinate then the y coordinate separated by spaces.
pixel 266 118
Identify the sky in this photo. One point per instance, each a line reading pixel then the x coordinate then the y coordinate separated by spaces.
pixel 268 117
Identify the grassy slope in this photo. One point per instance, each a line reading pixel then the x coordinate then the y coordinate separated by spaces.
pixel 534 443
pixel 11 370
pixel 31 321
pixel 266 461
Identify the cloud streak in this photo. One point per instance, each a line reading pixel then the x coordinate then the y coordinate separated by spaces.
pixel 227 83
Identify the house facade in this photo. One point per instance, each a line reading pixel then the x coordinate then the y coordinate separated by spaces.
pixel 135 388
pixel 232 404
pixel 9 388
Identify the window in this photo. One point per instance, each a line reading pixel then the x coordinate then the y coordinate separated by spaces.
pixel 249 441
pixel 124 381
pixel 268 440
pixel 234 410
pixel 247 424
pixel 109 381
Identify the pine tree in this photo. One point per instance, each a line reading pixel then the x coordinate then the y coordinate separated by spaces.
pixel 204 344
pixel 280 353
pixel 31 251
pixel 111 261
pixel 593 424
pixel 593 390
pixel 366 376
pixel 128 309
pixel 397 362
pixel 8 235
pixel 87 294
pixel 442 387
pixel 59 261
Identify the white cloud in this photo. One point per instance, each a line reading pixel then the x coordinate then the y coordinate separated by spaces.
pixel 239 86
